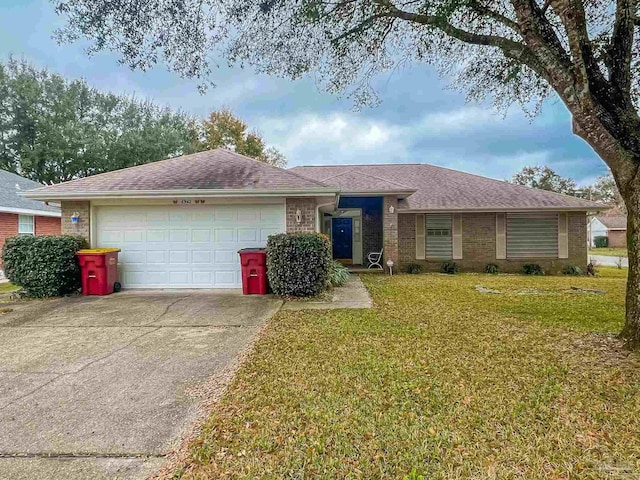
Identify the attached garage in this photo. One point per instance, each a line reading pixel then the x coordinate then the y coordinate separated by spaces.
pixel 184 246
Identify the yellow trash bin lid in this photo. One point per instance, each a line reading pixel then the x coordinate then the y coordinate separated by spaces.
pixel 97 251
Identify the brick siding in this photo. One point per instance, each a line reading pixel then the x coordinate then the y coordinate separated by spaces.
pixel 307 207
pixel 390 229
pixel 82 228
pixel 617 238
pixel 48 226
pixel 479 245
pixel 8 226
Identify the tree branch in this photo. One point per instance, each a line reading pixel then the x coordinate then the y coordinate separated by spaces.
pixel 620 48
pixel 487 12
pixel 587 74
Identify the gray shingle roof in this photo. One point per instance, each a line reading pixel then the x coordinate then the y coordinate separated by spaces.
pixel 217 169
pixel 10 185
pixel 438 188
pixel 614 222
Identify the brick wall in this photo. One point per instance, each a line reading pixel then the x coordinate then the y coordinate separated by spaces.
pixel 479 245
pixel 390 229
pixel 82 228
pixel 8 226
pixel 617 238
pixel 47 225
pixel 307 207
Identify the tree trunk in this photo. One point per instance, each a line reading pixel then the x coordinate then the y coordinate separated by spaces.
pixel 631 331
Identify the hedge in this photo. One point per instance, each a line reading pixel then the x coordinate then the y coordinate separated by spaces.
pixel 298 264
pixel 601 241
pixel 44 266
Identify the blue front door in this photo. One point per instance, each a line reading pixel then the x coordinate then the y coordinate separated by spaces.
pixel 341 229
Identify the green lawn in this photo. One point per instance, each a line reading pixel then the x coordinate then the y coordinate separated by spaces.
pixel 609 252
pixel 8 287
pixel 439 378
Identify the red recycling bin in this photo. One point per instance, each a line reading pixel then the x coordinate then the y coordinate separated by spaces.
pixel 99 268
pixel 254 271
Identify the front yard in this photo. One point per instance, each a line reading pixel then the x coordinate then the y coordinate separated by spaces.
pixel 609 252
pixel 440 378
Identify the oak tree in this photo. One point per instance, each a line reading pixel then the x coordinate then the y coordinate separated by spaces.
pixel 586 53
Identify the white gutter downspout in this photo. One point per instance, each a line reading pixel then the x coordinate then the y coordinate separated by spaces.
pixel 318 224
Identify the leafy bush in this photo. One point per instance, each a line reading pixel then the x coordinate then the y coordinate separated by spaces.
pixel 572 270
pixel 601 241
pixel 414 268
pixel 298 264
pixel 338 274
pixel 449 267
pixel 532 269
pixel 44 266
pixel 492 268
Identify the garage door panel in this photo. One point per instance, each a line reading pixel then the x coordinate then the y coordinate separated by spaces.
pixel 225 213
pixel 200 236
pixel 264 234
pixel 132 257
pixel 225 235
pixel 225 278
pixel 199 257
pixel 247 235
pixel 155 257
pixel 179 235
pixel 185 246
pixel 179 256
pixel 180 278
pixel 156 235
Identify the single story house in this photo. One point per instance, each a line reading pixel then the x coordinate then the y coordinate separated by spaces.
pixel 20 215
pixel 614 227
pixel 180 222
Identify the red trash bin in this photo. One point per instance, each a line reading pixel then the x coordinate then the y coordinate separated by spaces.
pixel 99 268
pixel 254 271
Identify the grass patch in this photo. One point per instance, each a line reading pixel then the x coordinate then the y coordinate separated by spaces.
pixel 8 287
pixel 609 252
pixel 439 378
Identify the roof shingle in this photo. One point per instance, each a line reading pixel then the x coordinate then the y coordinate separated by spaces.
pixel 11 184
pixel 439 188
pixel 217 169
pixel 613 222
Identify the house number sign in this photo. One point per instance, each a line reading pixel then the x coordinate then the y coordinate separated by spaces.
pixel 188 201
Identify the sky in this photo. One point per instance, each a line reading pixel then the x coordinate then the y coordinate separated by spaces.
pixel 419 119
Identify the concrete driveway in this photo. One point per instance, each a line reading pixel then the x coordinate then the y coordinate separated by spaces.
pixel 101 387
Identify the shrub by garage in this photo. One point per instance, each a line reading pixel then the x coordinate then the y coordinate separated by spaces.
pixel 298 264
pixel 44 266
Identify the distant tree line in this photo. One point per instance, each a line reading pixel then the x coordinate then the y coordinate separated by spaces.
pixel 53 129
pixel 603 190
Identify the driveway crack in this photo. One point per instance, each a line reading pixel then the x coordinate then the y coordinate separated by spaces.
pixel 166 310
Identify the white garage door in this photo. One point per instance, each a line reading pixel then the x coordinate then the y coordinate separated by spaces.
pixel 184 246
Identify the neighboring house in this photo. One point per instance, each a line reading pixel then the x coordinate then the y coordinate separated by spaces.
pixel 180 222
pixel 612 226
pixel 19 215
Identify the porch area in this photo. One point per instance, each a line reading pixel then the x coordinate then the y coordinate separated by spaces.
pixel 360 226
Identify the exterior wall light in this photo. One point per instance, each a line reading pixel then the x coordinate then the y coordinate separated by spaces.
pixel 391 209
pixel 75 217
pixel 298 216
pixel 390 265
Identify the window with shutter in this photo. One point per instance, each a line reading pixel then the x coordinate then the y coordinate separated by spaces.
pixel 532 235
pixel 439 237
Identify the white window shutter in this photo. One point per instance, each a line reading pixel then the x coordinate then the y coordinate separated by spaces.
pixel 501 236
pixel 420 237
pixel 457 236
pixel 563 235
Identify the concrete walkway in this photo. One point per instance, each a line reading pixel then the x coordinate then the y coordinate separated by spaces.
pixel 353 295
pixel 608 261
